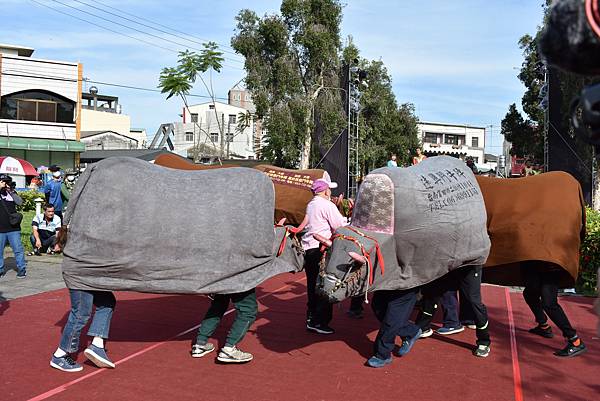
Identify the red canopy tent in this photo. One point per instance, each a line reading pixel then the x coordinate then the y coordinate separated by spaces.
pixel 18 169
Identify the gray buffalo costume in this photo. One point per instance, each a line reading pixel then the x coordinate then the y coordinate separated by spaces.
pixel 413 225
pixel 134 226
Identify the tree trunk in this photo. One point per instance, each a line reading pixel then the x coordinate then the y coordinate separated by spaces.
pixel 305 157
pixel 596 197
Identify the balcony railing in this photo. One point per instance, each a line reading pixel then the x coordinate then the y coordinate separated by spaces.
pixel 104 109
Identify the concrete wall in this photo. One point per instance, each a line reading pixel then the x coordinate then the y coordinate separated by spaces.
pixel 92 120
pixel 108 141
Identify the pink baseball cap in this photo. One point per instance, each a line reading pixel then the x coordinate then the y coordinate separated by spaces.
pixel 321 184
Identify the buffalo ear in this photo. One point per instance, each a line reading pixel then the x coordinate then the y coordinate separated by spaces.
pixel 359 258
pixel 322 240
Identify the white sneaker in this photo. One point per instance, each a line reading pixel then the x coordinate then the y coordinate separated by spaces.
pixel 233 355
pixel 199 351
pixel 426 333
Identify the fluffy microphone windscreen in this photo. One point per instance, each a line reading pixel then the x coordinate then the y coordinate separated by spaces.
pixel 568 40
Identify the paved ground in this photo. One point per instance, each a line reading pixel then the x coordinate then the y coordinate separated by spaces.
pixel 151 336
pixel 43 274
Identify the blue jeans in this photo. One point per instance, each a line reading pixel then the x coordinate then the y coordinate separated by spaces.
pixel 14 239
pixel 81 310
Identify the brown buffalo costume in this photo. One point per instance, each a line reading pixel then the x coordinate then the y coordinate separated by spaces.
pixel 538 218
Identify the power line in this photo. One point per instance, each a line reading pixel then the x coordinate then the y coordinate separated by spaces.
pixel 114 31
pixel 139 23
pixel 157 24
pixel 146 89
pixel 102 27
pixel 104 83
pixel 129 27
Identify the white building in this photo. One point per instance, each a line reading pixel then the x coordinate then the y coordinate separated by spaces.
pixel 459 141
pixel 140 135
pixel 40 108
pixel 210 128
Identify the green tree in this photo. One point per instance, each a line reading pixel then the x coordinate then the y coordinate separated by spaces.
pixel 527 135
pixel 289 59
pixel 520 133
pixel 179 81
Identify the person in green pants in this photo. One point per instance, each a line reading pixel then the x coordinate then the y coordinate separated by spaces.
pixel 246 309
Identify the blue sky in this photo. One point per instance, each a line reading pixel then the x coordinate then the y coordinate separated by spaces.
pixel 454 60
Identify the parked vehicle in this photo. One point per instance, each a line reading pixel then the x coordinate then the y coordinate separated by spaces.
pixel 517 166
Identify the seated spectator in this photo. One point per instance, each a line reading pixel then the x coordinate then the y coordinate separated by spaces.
pixel 45 226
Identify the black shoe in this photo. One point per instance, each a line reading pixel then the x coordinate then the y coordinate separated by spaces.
pixel 571 350
pixel 2 273
pixel 547 332
pixel 355 314
pixel 319 328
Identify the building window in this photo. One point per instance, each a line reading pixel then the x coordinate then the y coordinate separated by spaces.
pixel 214 137
pixel 211 106
pixel 247 97
pixel 189 137
pixel 430 137
pixel 37 106
pixel 232 119
pixel 34 110
pixel 194 117
pixel 475 142
pixel 229 137
pixel 450 139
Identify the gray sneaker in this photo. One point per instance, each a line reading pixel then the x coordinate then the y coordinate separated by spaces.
pixel 198 351
pixel 98 357
pixel 482 351
pixel 65 363
pixel 233 355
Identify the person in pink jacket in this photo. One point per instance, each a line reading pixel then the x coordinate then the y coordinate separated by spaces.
pixel 323 218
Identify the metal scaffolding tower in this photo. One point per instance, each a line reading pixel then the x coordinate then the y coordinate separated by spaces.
pixel 355 78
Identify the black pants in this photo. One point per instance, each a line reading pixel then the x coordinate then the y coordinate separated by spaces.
pixel 455 312
pixel 319 310
pixel 467 280
pixel 393 309
pixel 541 294
pixel 356 303
pixel 46 243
